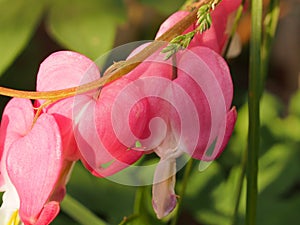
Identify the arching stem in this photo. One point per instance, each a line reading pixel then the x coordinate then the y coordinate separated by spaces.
pixel 116 70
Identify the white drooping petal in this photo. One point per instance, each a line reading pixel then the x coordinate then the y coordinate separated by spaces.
pixel 163 194
pixel 164 198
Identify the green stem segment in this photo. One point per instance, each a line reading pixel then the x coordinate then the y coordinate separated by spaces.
pixel 254 91
pixel 270 25
pixel 79 212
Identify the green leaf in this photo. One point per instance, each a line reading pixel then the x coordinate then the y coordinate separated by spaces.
pixel 178 43
pixel 88 27
pixel 18 21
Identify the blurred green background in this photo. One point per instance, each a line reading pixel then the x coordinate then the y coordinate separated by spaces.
pixel 31 30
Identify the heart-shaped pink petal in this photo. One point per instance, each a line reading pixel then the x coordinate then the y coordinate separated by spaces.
pixel 16 110
pixel 34 157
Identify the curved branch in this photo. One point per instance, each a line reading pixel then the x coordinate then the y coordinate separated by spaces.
pixel 116 70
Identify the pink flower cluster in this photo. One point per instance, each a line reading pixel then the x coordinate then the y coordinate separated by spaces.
pixel 164 107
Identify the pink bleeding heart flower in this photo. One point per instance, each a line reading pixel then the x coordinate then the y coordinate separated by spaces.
pixel 215 37
pixel 49 141
pixel 189 113
pixel 32 165
pixel 205 78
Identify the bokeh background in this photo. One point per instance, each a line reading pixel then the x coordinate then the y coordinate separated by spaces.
pixel 31 30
